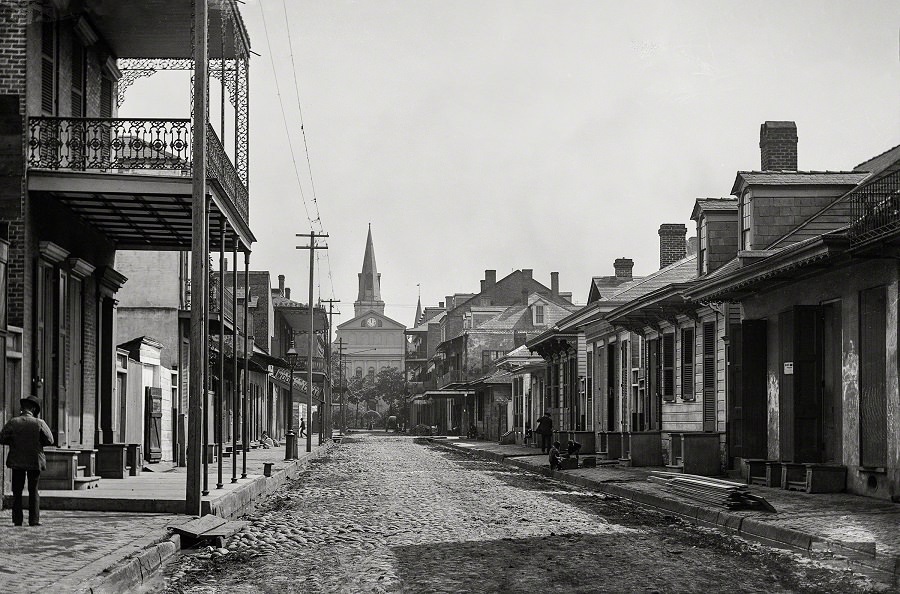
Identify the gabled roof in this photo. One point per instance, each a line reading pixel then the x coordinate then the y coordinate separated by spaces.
pixel 879 163
pixel 797 178
pixel 370 314
pixel 602 286
pixel 683 270
pixel 724 204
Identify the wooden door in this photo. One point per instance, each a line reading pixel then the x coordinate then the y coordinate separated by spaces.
pixel 872 370
pixel 808 442
pixel 748 397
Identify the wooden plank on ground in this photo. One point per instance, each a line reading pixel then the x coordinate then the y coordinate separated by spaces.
pixel 200 526
pixel 225 530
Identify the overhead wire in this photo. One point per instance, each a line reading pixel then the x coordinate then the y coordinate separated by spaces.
pixel 312 183
pixel 284 115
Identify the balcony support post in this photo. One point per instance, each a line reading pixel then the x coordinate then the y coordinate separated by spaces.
pixel 199 270
pixel 220 391
pixel 235 381
pixel 245 430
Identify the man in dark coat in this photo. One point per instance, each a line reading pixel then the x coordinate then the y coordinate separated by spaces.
pixel 545 430
pixel 26 435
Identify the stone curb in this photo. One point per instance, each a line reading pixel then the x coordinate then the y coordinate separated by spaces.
pixel 139 568
pixel 752 527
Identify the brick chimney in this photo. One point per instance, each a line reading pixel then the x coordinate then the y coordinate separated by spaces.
pixel 672 244
pixel 623 267
pixel 778 146
pixel 287 292
pixel 281 285
pixel 527 272
pixel 490 279
pixel 554 284
pixel 441 304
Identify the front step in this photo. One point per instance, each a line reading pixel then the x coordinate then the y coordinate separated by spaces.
pixel 83 483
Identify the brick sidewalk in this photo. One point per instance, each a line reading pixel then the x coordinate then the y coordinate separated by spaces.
pixel 73 549
pixel 70 547
pixel 861 527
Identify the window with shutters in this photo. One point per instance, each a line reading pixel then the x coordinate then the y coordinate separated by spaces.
pixel 687 364
pixel 709 376
pixel 668 367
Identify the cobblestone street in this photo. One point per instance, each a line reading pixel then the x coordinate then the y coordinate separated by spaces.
pixel 388 514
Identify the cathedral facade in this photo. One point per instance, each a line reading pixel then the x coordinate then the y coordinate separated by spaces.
pixel 371 340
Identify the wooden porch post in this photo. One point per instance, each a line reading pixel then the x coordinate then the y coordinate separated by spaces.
pixel 220 391
pixel 245 432
pixel 199 271
pixel 235 381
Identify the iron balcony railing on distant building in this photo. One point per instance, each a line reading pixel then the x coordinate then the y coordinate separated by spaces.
pixel 452 377
pixel 876 209
pixel 416 355
pixel 130 145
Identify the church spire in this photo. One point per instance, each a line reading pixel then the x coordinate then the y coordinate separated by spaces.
pixel 369 298
pixel 418 319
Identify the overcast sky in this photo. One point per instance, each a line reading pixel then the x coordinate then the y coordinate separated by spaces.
pixel 552 135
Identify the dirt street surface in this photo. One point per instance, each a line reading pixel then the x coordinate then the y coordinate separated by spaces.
pixel 387 514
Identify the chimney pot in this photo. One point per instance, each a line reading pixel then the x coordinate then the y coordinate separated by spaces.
pixel 672 244
pixel 778 146
pixel 554 284
pixel 281 285
pixel 623 267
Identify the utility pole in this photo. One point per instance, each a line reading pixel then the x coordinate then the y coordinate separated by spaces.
pixel 312 247
pixel 329 429
pixel 341 384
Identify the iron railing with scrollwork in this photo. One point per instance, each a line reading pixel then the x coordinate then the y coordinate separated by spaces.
pixel 222 170
pixel 129 144
pixel 876 209
pixel 109 143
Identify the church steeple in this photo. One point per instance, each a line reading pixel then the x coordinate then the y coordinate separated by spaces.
pixel 418 319
pixel 369 298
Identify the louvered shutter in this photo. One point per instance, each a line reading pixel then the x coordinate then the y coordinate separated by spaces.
pixel 668 367
pixel 709 376
pixel 687 364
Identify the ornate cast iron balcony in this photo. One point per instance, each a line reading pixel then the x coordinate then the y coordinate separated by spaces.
pixel 128 145
pixel 876 209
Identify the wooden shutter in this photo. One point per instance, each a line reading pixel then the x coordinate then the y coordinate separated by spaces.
pixel 872 368
pixel 668 367
pixel 48 66
pixel 78 78
pixel 687 364
pixel 709 376
pixel 653 382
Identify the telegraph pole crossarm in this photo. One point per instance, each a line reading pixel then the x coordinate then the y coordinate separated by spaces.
pixel 312 247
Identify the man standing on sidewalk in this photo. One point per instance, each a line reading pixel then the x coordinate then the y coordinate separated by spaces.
pixel 545 430
pixel 26 436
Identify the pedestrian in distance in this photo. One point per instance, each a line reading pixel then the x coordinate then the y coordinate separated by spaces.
pixel 26 435
pixel 302 427
pixel 545 430
pixel 554 456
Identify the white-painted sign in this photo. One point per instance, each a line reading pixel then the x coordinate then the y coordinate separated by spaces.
pixel 789 368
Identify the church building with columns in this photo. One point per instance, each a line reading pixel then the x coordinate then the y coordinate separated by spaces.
pixel 372 341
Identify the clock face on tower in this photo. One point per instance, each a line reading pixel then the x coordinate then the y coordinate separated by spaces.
pixel 371 322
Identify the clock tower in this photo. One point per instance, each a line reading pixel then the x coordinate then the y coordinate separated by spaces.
pixel 372 341
pixel 369 297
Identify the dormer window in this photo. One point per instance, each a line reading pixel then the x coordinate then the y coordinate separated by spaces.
pixel 746 221
pixel 538 311
pixel 703 250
